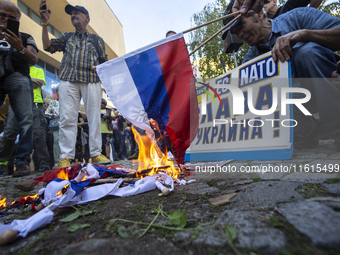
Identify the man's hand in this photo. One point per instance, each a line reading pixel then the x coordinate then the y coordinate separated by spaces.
pixel 248 7
pixel 283 46
pixel 14 40
pixel 336 76
pixel 37 83
pixel 44 13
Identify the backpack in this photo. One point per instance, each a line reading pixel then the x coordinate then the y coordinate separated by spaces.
pixel 95 39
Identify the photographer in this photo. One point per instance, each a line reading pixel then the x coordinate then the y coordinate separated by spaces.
pixel 16 82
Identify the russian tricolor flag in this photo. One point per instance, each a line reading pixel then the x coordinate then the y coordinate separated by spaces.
pixel 156 82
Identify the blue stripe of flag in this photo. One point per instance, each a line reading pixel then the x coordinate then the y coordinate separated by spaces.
pixel 147 74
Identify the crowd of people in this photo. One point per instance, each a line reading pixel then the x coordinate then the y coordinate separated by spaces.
pixel 68 138
pixel 60 135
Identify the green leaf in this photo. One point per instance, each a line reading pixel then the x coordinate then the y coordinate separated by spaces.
pixel 71 217
pixel 88 212
pixel 101 202
pixel 75 226
pixel 178 218
pixel 231 232
pixel 126 232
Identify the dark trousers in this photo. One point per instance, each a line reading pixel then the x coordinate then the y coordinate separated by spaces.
pixel 122 154
pixel 41 156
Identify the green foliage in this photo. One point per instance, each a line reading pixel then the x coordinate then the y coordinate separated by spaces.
pixel 126 232
pixel 178 218
pixel 77 214
pixel 71 217
pixel 101 202
pixel 74 227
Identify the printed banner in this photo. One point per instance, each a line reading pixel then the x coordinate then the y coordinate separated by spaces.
pixel 248 116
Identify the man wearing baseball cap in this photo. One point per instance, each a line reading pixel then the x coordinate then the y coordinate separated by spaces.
pixel 78 79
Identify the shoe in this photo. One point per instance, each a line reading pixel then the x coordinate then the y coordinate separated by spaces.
pixel 309 142
pixel 21 170
pixel 337 141
pixel 100 159
pixel 44 168
pixel 133 156
pixel 2 170
pixel 64 162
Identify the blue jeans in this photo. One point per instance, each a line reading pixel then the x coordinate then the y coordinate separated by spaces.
pixel 20 92
pixel 314 64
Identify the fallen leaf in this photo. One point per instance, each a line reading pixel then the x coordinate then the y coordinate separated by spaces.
pixel 178 218
pixel 71 217
pixel 74 227
pixel 231 232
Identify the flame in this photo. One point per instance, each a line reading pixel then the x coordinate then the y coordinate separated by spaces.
pixel 150 155
pixel 2 202
pixel 62 175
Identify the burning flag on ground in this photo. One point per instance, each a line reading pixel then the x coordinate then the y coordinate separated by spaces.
pixel 156 82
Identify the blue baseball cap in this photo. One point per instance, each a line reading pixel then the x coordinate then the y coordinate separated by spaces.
pixel 69 8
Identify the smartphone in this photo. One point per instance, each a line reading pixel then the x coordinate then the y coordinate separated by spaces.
pixel 13 25
pixel 44 7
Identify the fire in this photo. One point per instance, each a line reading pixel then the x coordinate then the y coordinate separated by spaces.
pixel 2 202
pixel 150 155
pixel 62 175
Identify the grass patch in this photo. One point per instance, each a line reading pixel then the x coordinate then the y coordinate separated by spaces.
pixel 256 179
pixel 311 190
pixel 333 181
pixel 212 183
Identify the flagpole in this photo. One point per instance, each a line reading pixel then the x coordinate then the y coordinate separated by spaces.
pixel 214 35
pixel 210 22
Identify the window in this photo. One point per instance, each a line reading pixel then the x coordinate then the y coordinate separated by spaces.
pixel 50 70
pixel 24 8
pixel 36 17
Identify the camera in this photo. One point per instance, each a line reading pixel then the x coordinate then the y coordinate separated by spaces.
pixel 102 115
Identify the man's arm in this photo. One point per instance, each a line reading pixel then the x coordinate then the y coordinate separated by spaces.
pixel 329 38
pixel 37 83
pixel 15 41
pixel 45 17
pixel 39 77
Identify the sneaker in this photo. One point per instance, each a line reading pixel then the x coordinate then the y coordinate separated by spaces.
pixel 44 168
pixel 21 170
pixel 100 159
pixel 64 162
pixel 133 156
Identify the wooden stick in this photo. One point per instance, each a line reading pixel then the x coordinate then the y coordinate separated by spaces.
pixel 210 22
pixel 109 180
pixel 214 35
